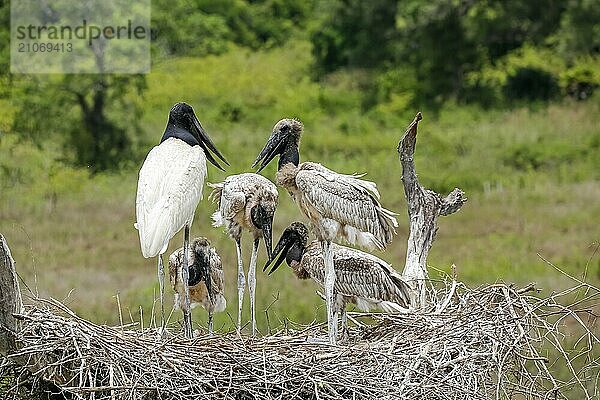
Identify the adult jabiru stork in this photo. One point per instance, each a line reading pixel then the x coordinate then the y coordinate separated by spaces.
pixel 169 189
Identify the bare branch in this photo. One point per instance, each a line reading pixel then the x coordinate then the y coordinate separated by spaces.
pixel 424 207
pixel 483 343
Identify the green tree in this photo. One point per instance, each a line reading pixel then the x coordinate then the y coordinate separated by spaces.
pixel 437 45
pixel 261 23
pixel 355 33
pixel 94 117
pixel 183 28
pixel 434 42
pixel 580 29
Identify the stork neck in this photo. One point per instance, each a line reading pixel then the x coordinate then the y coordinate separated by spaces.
pixel 174 131
pixel 289 155
pixel 194 275
pixel 198 270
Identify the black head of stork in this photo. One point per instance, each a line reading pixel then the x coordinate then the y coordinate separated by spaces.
pixel 290 247
pixel 284 140
pixel 262 218
pixel 184 125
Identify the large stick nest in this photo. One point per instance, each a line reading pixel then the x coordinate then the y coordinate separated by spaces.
pixel 495 341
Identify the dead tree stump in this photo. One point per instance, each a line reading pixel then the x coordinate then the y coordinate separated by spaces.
pixel 10 300
pixel 424 207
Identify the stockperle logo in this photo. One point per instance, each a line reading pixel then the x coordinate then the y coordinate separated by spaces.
pixel 89 36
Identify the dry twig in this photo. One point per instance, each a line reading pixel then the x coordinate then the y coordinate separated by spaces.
pixel 495 341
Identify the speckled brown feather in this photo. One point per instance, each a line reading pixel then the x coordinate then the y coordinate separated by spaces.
pixel 358 275
pixel 353 203
pixel 199 293
pixel 236 196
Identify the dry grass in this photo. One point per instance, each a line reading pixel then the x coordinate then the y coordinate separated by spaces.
pixel 488 342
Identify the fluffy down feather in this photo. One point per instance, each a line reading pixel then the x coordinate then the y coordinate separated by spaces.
pixel 199 293
pixel 235 194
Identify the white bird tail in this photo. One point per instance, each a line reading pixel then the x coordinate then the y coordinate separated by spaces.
pixel 218 219
pixel 215 197
pixel 154 237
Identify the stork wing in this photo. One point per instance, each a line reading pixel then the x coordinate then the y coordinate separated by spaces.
pixel 363 275
pixel 216 272
pixel 348 200
pixel 358 275
pixel 233 198
pixel 169 189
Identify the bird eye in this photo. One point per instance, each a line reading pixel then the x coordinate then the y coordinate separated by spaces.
pixel 285 128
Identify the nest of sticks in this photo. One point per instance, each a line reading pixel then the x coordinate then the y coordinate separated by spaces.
pixel 495 341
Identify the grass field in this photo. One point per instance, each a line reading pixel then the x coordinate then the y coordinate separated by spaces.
pixel 532 176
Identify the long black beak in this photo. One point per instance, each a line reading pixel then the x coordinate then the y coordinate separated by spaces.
pixel 207 144
pixel 281 249
pixel 273 147
pixel 267 231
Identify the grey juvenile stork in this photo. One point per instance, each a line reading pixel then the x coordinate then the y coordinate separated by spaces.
pixel 361 278
pixel 337 205
pixel 205 281
pixel 169 189
pixel 246 202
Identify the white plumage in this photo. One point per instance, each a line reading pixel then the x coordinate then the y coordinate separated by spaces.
pixel 169 189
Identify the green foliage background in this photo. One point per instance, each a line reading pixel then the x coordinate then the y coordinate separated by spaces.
pixel 511 117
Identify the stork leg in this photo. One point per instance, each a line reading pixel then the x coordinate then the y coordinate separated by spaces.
pixel 161 288
pixel 344 317
pixel 210 323
pixel 185 277
pixel 252 283
pixel 336 315
pixel 241 281
pixel 329 295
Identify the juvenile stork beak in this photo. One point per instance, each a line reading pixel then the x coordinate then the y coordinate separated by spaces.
pixel 207 144
pixel 273 147
pixel 281 249
pixel 262 218
pixel 267 231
